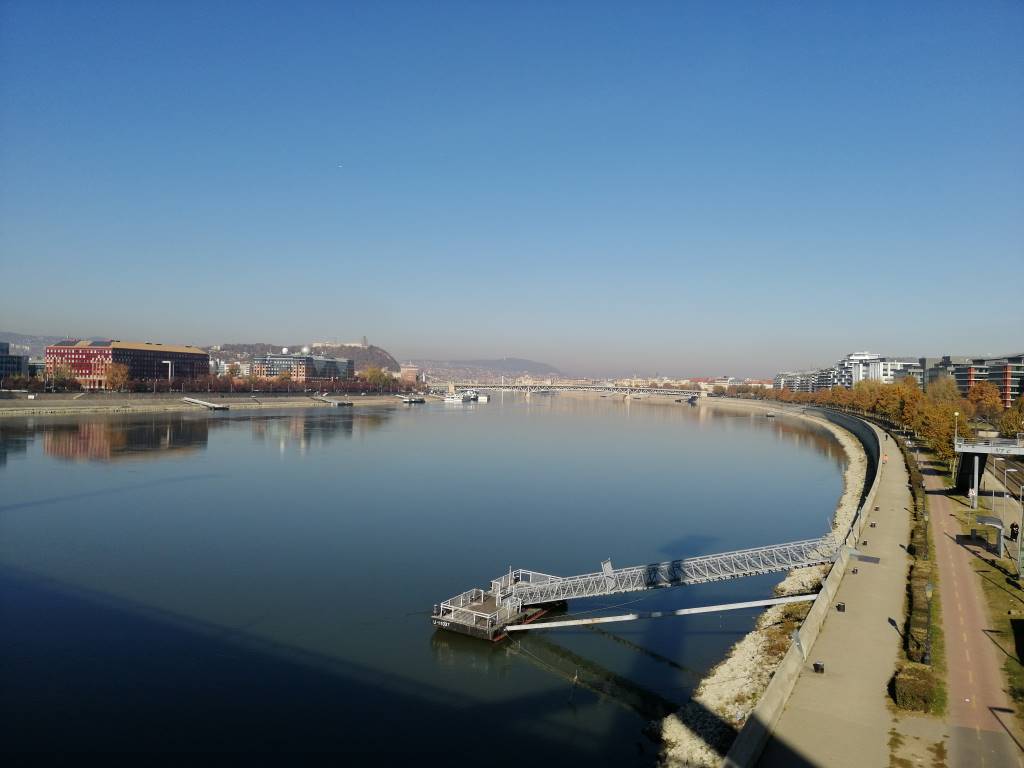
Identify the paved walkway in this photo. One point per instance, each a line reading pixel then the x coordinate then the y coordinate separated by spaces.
pixel 978 704
pixel 842 718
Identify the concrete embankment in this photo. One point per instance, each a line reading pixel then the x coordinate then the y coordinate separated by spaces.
pixel 67 405
pixel 750 686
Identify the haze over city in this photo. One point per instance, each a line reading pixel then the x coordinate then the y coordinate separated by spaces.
pixel 690 188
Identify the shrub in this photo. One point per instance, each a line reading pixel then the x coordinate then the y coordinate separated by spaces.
pixel 914 688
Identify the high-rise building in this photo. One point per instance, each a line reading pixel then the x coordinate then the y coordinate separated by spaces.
pixel 1007 373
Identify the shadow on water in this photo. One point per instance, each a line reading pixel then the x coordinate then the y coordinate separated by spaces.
pixel 86 671
pixel 103 492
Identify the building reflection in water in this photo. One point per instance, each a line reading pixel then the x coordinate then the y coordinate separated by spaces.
pixel 302 431
pixel 786 427
pixel 114 439
pixel 14 440
pixel 105 438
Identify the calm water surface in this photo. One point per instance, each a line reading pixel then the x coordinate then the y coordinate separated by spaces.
pixel 264 580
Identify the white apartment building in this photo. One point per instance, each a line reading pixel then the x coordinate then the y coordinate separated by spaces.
pixel 867 366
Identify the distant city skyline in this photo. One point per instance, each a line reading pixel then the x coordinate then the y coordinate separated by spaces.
pixel 685 189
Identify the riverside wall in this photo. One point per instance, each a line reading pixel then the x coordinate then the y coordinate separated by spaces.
pixel 61 404
pixel 751 740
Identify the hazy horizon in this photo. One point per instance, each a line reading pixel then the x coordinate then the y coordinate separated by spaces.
pixel 688 190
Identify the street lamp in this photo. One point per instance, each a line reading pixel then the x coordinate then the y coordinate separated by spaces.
pixel 1020 495
pixel 956 427
pixel 929 590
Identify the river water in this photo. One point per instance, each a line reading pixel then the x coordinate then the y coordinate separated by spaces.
pixel 263 580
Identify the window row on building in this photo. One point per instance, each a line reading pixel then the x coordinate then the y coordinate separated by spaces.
pixel 302 368
pixel 89 361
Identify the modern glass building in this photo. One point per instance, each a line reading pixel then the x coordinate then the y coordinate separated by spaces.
pixel 303 368
pixel 12 365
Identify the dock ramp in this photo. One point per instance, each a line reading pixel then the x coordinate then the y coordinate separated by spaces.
pixel 205 404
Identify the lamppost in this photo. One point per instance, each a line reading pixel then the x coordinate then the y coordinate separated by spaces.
pixel 1020 494
pixel 956 427
pixel 170 366
pixel 929 590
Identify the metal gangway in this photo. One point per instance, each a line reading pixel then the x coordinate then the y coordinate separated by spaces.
pixel 515 597
pixel 205 404
pixel 330 401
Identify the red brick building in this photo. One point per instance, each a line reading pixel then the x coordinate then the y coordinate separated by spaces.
pixel 90 361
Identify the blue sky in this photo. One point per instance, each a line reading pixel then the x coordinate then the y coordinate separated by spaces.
pixel 678 187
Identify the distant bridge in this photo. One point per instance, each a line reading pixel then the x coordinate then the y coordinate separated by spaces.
pixel 540 388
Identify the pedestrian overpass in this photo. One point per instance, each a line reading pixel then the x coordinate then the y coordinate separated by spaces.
pixel 972 455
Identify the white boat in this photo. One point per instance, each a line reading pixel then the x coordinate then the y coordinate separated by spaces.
pixel 482 398
pixel 458 397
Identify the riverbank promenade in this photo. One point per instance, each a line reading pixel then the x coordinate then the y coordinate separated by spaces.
pixel 842 718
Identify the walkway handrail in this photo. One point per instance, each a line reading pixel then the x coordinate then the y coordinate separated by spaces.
pixel 692 570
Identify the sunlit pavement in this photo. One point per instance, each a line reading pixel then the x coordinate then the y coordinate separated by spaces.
pixel 980 713
pixel 842 717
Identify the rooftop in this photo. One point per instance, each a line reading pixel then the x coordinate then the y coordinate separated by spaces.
pixel 147 346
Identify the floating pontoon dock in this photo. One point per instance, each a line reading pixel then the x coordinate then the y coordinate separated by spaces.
pixel 522 596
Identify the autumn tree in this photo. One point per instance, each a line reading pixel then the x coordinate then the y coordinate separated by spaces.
pixel 987 402
pixel 377 377
pixel 1011 422
pixel 943 390
pixel 64 378
pixel 117 376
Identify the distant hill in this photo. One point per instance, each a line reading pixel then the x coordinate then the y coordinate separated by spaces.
pixel 363 357
pixel 512 365
pixel 486 370
pixel 27 344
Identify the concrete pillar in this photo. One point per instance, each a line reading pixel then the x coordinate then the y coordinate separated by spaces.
pixel 974 501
